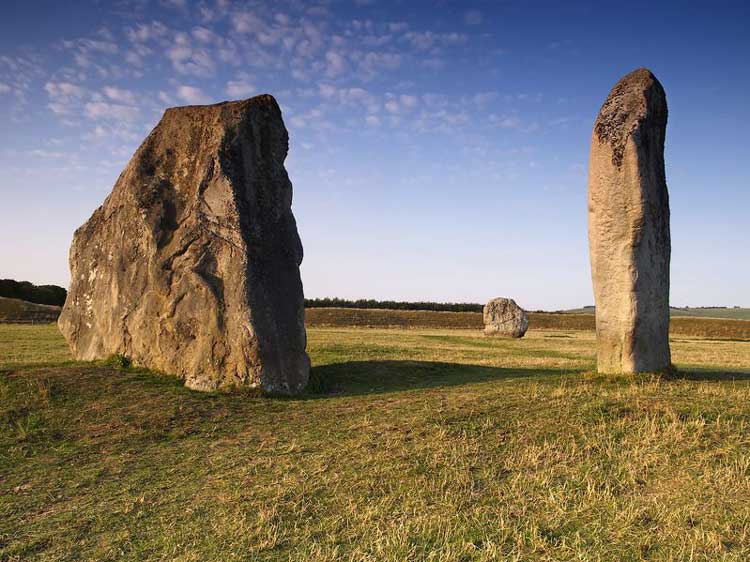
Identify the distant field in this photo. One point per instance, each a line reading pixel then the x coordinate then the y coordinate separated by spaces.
pixel 730 313
pixel 15 310
pixel 419 445
pixel 700 327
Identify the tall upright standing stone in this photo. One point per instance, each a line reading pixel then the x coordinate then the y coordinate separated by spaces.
pixel 629 238
pixel 191 265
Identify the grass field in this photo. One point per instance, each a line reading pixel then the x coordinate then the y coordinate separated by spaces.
pixel 733 313
pixel 734 325
pixel 430 445
pixel 727 329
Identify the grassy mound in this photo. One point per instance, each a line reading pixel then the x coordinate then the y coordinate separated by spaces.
pixel 18 311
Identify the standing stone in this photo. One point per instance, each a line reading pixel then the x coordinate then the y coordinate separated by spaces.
pixel 504 318
pixel 191 265
pixel 629 227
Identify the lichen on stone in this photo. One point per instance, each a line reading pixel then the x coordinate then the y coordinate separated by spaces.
pixel 624 110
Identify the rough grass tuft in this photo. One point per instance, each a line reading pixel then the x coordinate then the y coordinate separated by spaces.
pixel 117 361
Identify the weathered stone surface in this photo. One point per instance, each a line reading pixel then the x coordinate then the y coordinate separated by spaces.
pixel 504 318
pixel 629 238
pixel 191 265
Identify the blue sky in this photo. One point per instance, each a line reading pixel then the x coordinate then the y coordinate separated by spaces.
pixel 439 150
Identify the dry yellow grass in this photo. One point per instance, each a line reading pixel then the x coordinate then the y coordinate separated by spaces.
pixel 429 445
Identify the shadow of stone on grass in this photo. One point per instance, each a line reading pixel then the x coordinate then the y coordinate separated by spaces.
pixel 374 377
pixel 711 374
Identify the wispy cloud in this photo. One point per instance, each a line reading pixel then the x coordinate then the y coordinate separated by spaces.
pixel 145 32
pixel 64 97
pixel 189 60
pixel 240 88
pixel 111 111
pixel 192 95
pixel 330 74
pixel 424 40
pixel 63 89
pixel 120 95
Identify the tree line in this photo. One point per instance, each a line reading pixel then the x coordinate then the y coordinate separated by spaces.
pixel 393 305
pixel 39 294
pixel 54 295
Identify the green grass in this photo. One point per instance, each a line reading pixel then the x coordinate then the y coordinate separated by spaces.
pixel 727 313
pixel 24 346
pixel 429 445
pixel 730 313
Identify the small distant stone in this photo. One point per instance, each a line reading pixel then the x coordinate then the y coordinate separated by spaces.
pixel 504 318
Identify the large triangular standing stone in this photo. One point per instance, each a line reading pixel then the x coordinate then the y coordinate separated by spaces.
pixel 191 265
